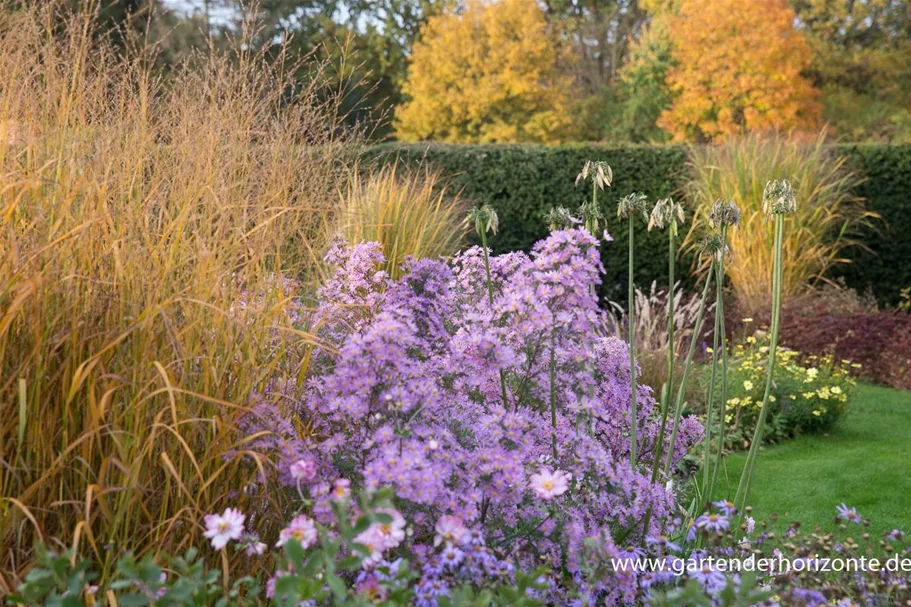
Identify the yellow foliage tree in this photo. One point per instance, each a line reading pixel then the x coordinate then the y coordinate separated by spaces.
pixel 486 74
pixel 738 66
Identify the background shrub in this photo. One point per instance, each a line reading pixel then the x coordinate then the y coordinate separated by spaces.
pixel 886 268
pixel 879 341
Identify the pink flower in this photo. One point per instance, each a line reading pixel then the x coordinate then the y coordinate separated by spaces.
pixel 303 470
pixel 751 524
pixel 548 485
pixel 374 543
pixel 224 527
pixel 450 529
pixel 341 489
pixel 255 549
pixel 300 529
pixel 390 534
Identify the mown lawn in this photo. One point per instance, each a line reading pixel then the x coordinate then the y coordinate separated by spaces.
pixel 865 462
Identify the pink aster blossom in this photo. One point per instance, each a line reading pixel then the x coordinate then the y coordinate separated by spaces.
pixel 390 534
pixel 450 530
pixel 374 543
pixel 224 527
pixel 300 529
pixel 548 485
pixel 303 470
pixel 341 490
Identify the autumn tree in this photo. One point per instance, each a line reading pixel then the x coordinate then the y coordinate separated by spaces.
pixel 862 64
pixel 486 74
pixel 738 67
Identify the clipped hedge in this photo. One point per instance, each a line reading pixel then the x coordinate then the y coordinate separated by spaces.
pixel 523 181
pixel 886 267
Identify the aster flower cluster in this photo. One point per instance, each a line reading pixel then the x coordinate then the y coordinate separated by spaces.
pixel 409 396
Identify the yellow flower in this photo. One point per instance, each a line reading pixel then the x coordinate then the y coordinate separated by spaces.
pixel 836 390
pixel 817 412
pixel 772 398
pixel 751 340
pixel 747 320
pixel 747 385
pixel 709 350
pixel 812 372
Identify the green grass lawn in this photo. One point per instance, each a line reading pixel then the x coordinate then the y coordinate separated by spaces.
pixel 865 462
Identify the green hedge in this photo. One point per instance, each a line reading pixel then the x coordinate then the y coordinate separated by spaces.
pixel 886 267
pixel 523 181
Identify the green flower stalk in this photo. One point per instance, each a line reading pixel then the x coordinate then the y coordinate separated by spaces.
pixel 629 207
pixel 667 213
pixel 711 247
pixel 484 219
pixel 722 216
pixel 778 200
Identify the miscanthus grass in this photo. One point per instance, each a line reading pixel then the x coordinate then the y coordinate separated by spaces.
pixel 149 231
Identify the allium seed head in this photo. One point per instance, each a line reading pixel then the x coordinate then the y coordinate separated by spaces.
pixel 559 218
pixel 598 171
pixel 724 214
pixel 714 244
pixel 633 203
pixel 483 218
pixel 666 214
pixel 778 198
pixel 592 215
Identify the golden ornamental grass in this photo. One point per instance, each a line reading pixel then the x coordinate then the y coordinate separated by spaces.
pixel 407 210
pixel 818 233
pixel 137 215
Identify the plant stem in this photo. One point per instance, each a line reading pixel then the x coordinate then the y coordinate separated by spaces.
pixel 553 388
pixel 719 313
pixel 710 407
pixel 678 405
pixel 669 384
pixel 746 479
pixel 634 412
pixel 490 295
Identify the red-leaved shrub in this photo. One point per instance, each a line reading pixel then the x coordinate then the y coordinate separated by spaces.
pixel 879 340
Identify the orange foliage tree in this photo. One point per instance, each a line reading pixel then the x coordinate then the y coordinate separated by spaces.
pixel 488 73
pixel 738 68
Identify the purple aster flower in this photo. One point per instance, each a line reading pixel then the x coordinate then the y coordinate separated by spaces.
pixel 846 514
pixel 714 523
